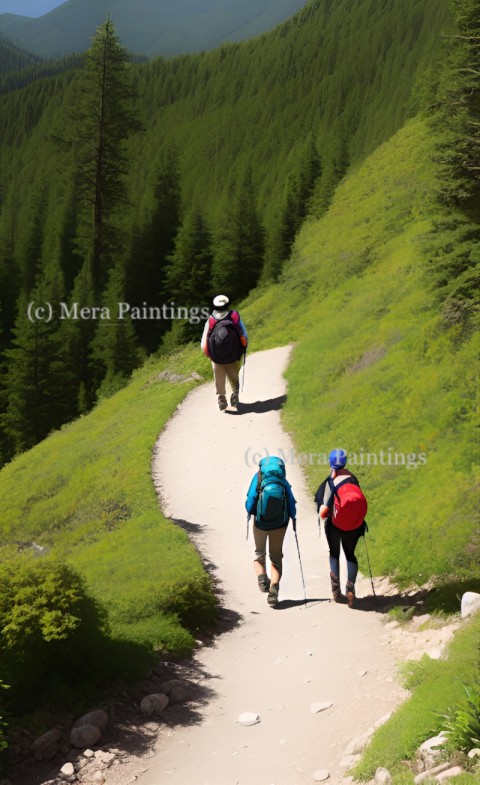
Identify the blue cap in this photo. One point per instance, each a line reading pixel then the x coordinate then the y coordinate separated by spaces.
pixel 337 459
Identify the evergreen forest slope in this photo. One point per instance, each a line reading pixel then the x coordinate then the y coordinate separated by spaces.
pixel 230 151
pixel 158 28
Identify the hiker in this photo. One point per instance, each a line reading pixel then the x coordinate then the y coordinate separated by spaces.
pixel 224 340
pixel 342 508
pixel 271 501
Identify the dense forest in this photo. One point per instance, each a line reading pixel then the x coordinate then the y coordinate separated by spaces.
pixel 130 193
pixel 154 184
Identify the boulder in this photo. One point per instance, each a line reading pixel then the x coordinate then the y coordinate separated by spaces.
pixel 430 773
pixel 382 776
pixel 154 704
pixel 359 743
pixel 429 752
pixel 99 717
pixel 470 603
pixel 88 730
pixel 46 746
pixel 85 736
pixel 454 771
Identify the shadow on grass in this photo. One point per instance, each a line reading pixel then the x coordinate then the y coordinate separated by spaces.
pixel 445 599
pixel 259 407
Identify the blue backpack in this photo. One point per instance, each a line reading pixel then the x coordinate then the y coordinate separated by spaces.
pixel 272 508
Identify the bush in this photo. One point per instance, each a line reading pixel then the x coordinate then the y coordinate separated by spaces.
pixel 50 627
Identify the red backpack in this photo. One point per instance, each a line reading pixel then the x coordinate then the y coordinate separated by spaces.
pixel 349 504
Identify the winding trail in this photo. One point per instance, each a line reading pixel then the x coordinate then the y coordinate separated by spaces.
pixel 275 662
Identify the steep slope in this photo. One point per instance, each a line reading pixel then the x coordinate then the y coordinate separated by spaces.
pixel 150 27
pixel 12 58
pixel 383 368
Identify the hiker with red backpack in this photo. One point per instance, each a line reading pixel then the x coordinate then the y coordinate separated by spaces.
pixel 342 507
pixel 271 501
pixel 224 340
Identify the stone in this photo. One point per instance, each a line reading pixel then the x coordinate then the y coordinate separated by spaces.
pixel 99 717
pixel 475 753
pixel 89 753
pixel 425 775
pixel 454 771
pixel 67 770
pixel 359 743
pixel 348 761
pixel 85 736
pixel 248 718
pixel 180 694
pixel 431 749
pixel 154 704
pixel 321 775
pixel 104 757
pixel 46 746
pixel 99 777
pixel 470 603
pixel 382 776
pixel 382 720
pixel 316 707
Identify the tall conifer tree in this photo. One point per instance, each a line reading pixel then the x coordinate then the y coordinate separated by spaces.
pixel 104 119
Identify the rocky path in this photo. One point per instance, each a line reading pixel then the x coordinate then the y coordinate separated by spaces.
pixel 282 663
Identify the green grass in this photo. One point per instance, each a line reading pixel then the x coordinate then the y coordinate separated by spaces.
pixel 376 369
pixel 438 685
pixel 86 494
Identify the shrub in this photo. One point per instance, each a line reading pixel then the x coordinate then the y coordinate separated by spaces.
pixel 50 627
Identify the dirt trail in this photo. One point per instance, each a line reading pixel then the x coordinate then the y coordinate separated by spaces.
pixel 274 662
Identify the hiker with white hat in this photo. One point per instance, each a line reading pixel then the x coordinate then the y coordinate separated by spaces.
pixel 224 340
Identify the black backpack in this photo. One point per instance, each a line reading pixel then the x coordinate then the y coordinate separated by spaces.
pixel 224 345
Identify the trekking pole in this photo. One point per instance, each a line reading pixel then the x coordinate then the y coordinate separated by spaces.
pixel 248 521
pixel 369 567
pixel 301 568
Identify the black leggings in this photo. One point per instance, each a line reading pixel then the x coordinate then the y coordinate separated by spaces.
pixel 348 541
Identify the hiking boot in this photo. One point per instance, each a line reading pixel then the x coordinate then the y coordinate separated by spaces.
pixel 272 598
pixel 222 403
pixel 234 399
pixel 336 593
pixel 263 582
pixel 350 592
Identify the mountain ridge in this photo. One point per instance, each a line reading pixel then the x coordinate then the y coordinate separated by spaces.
pixel 147 27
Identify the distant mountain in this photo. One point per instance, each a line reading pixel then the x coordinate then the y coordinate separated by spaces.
pixel 13 58
pixel 150 27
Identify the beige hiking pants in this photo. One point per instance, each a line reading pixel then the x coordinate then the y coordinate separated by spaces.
pixel 275 539
pixel 220 374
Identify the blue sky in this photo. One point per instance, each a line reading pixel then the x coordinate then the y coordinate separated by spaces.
pixel 28 7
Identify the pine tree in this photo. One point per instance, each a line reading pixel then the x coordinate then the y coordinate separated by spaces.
pixel 114 351
pixel 238 245
pixel 104 113
pixel 151 247
pixel 37 385
pixel 188 276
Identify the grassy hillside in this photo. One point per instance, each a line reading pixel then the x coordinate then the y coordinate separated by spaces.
pixel 85 494
pixel 378 367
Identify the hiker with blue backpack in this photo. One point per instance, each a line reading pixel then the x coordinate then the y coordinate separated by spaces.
pixel 342 507
pixel 224 341
pixel 270 500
